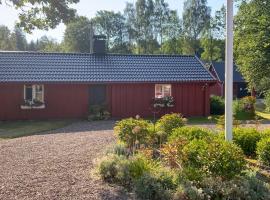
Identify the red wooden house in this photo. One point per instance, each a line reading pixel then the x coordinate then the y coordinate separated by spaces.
pixel 63 85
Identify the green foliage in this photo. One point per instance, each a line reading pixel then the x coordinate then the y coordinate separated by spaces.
pixel 123 171
pixel 263 151
pixel 190 133
pixel 267 101
pixel 265 133
pixel 213 49
pixel 131 131
pixel 172 46
pixel 169 122
pixel 139 165
pixel 244 108
pixel 214 157
pixel 247 139
pixel 110 167
pixel 118 149
pixel 156 185
pixel 246 187
pixel 217 105
pixel 252 33
pixel 15 40
pixel 196 17
pixel 77 36
pixel 43 14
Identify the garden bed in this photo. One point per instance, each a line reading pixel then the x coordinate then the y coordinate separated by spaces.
pixel 168 160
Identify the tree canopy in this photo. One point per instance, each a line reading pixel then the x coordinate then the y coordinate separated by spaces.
pixel 252 44
pixel 145 26
pixel 42 14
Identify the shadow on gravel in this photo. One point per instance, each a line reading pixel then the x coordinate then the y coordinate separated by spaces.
pixel 83 126
pixel 115 195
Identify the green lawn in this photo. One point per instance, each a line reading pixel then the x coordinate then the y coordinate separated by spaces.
pixel 263 115
pixel 203 120
pixel 25 128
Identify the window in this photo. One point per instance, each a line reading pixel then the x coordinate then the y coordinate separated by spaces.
pixel 163 90
pixel 34 93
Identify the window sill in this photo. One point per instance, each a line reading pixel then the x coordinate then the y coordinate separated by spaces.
pixel 23 107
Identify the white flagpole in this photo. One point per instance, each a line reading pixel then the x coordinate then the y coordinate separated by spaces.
pixel 229 73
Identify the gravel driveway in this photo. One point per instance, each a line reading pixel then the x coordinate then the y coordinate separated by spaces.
pixel 56 165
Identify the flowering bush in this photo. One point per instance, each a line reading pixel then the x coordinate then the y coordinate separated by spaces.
pixel 33 102
pixel 165 102
pixel 132 131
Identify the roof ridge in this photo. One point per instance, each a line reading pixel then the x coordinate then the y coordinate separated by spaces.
pixel 78 53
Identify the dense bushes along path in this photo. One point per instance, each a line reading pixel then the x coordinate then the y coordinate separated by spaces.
pixel 56 166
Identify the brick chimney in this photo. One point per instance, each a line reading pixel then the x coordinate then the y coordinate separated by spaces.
pixel 99 44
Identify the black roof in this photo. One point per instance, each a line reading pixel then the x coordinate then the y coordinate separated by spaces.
pixel 220 70
pixel 75 67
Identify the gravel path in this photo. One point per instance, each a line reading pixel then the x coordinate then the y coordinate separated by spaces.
pixel 56 165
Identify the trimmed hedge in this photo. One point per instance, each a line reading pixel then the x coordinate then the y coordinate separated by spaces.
pixel 247 139
pixel 214 157
pixel 263 151
pixel 217 105
pixel 191 133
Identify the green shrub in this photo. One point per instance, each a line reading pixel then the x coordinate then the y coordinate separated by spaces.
pixel 214 157
pixel 156 138
pixel 246 187
pixel 200 157
pixel 157 185
pixel 169 122
pixel 244 108
pixel 118 149
pixel 139 165
pixel 263 151
pixel 114 169
pixel 217 105
pixel 123 171
pixel 267 101
pixel 190 133
pixel 265 133
pixel 131 131
pixel 188 192
pixel 247 139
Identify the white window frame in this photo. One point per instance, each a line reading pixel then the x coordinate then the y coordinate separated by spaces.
pixel 34 91
pixel 162 92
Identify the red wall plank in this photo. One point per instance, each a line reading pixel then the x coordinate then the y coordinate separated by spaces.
pixel 125 100
pixel 131 99
pixel 62 101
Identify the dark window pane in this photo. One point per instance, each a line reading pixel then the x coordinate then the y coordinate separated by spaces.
pixel 97 94
pixel 28 93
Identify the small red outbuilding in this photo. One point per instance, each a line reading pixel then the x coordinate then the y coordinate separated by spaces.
pixel 64 85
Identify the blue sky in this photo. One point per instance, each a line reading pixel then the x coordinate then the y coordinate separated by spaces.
pixel 87 8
